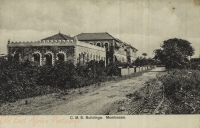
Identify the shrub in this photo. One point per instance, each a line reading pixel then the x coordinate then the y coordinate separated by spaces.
pixel 179 85
pixel 137 95
pixel 26 79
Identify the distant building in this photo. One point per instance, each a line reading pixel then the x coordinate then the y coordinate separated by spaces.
pixel 57 47
pixel 116 50
pixel 131 53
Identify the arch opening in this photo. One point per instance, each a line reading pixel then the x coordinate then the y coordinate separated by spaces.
pixel 98 44
pixel 36 58
pixel 61 57
pixel 49 59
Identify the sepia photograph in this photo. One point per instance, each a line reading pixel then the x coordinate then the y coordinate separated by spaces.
pixel 99 57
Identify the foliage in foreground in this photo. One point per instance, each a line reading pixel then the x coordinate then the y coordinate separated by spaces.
pixel 26 79
pixel 182 89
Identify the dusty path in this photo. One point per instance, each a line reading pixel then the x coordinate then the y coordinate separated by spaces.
pixel 91 100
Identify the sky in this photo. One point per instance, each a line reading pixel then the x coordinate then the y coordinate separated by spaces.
pixel 144 24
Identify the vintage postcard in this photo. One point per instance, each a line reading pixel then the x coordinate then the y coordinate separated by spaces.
pixel 100 63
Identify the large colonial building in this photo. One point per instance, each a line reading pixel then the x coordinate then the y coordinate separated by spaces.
pixel 79 49
pixel 57 47
pixel 116 50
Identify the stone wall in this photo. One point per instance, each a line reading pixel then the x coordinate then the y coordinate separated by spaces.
pixel 124 72
pixel 137 69
pixel 132 70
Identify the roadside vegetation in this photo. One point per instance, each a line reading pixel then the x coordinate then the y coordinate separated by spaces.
pixel 25 79
pixel 182 91
pixel 182 81
pixel 21 80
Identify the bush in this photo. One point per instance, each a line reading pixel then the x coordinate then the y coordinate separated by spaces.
pixel 137 95
pixel 112 69
pixel 26 79
pixel 179 85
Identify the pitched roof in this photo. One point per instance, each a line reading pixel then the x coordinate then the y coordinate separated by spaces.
pixel 95 36
pixel 126 44
pixel 59 36
pixel 119 40
pixel 133 47
pixel 100 36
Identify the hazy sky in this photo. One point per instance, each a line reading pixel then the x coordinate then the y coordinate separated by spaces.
pixel 144 24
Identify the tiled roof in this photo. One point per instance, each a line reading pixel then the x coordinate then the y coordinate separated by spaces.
pixel 126 44
pixel 59 36
pixel 95 36
pixel 100 36
pixel 133 47
pixel 119 40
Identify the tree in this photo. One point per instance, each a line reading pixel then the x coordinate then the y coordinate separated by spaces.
pixel 174 53
pixel 144 54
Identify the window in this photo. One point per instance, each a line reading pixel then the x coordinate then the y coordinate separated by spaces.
pixel 36 58
pixel 61 56
pixel 98 44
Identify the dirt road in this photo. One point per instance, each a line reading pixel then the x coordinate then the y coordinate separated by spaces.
pixel 85 101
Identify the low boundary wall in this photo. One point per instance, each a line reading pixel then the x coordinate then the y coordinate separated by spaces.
pixel 128 71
